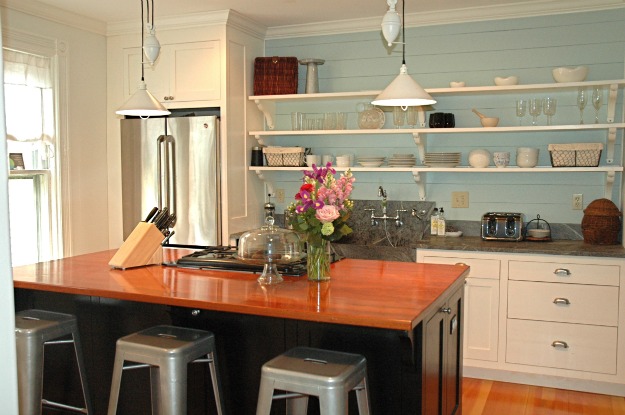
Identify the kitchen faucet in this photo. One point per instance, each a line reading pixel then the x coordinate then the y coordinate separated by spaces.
pixel 375 219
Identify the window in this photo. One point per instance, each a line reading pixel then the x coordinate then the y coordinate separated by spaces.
pixel 31 131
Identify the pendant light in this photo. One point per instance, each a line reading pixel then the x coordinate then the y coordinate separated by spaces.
pixel 142 103
pixel 403 91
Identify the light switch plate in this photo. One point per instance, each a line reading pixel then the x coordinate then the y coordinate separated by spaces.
pixel 459 199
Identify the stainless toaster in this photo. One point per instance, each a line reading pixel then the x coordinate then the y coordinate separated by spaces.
pixel 502 226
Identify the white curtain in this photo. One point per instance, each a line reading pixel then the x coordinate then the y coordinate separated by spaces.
pixel 28 82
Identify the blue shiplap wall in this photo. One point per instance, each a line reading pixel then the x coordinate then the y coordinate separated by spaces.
pixel 474 53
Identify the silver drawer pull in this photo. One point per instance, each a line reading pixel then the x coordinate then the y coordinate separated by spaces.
pixel 561 301
pixel 559 343
pixel 461 263
pixel 563 272
pixel 445 310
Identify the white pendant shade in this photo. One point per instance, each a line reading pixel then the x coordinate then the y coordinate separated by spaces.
pixel 403 92
pixel 142 104
pixel 151 47
pixel 391 23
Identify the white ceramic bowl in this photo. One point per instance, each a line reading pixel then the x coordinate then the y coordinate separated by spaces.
pixel 527 157
pixel 510 80
pixel 479 158
pixel 577 74
pixel 457 84
pixel 539 233
pixel 489 121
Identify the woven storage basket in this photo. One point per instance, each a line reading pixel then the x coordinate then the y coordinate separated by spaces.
pixel 575 154
pixel 284 156
pixel 275 75
pixel 601 224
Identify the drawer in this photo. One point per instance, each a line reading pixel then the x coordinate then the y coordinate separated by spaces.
pixel 589 348
pixel 587 304
pixel 564 272
pixel 480 268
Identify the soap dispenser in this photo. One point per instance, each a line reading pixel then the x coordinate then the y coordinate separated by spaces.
pixel 441 222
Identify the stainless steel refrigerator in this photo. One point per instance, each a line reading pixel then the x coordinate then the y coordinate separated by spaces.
pixel 173 162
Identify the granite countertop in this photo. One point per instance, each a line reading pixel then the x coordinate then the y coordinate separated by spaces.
pixel 556 247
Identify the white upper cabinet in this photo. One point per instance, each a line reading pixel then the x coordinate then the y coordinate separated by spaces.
pixel 183 72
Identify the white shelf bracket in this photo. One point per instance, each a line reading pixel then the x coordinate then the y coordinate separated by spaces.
pixel 612 95
pixel 421 115
pixel 259 139
pixel 268 108
pixel 611 143
pixel 418 140
pixel 609 182
pixel 420 183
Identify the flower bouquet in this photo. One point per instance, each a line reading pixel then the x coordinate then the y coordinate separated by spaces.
pixel 320 212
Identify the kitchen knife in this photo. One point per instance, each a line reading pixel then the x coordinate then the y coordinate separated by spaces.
pixel 162 219
pixel 152 213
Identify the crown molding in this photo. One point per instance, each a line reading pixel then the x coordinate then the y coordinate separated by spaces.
pixel 465 15
pixel 241 22
pixel 54 14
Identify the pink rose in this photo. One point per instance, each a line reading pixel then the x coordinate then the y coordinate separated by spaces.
pixel 327 213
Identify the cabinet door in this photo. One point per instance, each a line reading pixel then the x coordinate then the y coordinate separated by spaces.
pixel 481 319
pixel 433 344
pixel 194 71
pixel 442 358
pixel 156 76
pixel 453 354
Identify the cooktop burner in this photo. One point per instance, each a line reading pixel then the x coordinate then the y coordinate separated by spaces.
pixel 224 257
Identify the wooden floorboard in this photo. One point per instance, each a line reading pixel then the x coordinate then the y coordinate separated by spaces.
pixel 486 397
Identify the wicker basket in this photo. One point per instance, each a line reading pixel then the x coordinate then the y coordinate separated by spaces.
pixel 601 224
pixel 575 154
pixel 284 156
pixel 275 75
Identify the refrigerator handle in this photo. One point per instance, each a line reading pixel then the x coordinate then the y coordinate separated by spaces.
pixel 166 172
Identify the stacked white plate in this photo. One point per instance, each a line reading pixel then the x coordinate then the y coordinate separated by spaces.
pixel 402 160
pixel 442 159
pixel 371 161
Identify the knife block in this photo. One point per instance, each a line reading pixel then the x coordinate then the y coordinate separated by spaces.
pixel 142 247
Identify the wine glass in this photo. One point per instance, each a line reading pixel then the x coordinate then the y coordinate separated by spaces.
pixel 549 108
pixel 535 105
pixel 597 101
pixel 582 100
pixel 411 116
pixel 521 107
pixel 399 116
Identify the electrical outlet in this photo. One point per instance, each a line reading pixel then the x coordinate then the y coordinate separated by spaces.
pixel 459 199
pixel 578 201
pixel 280 195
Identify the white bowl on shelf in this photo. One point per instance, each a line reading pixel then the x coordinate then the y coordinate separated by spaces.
pixel 457 84
pixel 563 74
pixel 510 80
pixel 539 233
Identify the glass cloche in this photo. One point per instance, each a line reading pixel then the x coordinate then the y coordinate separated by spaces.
pixel 270 245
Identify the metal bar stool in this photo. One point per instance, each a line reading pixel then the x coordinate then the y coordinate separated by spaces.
pixel 35 329
pixel 166 350
pixel 304 371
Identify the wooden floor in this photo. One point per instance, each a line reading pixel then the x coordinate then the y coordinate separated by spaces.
pixel 486 397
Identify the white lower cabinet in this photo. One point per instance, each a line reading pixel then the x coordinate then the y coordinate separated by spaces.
pixel 549 320
pixel 481 305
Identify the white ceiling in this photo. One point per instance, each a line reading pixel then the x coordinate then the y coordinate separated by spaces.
pixel 285 14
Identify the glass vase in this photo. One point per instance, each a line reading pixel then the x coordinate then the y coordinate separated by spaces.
pixel 318 261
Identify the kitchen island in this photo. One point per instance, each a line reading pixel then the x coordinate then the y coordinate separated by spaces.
pixel 404 317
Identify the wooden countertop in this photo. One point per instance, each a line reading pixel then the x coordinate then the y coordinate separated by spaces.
pixel 370 293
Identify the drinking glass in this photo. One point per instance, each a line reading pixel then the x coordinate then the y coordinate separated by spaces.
pixel 549 108
pixel 399 116
pixel 582 100
pixel 411 116
pixel 521 107
pixel 597 101
pixel 535 108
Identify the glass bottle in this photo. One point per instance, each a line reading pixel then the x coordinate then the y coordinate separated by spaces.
pixel 434 222
pixel 441 222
